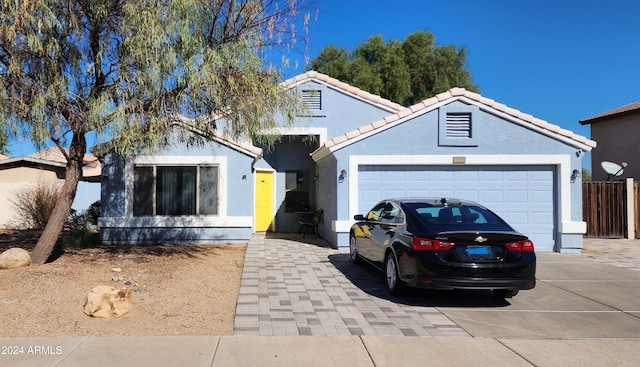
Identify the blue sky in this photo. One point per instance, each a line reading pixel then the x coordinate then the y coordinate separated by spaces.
pixel 560 61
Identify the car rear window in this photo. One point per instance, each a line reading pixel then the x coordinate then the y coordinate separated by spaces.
pixel 457 217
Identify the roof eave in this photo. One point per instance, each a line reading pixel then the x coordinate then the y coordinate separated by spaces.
pixel 342 87
pixel 37 161
pixel 604 118
pixel 486 104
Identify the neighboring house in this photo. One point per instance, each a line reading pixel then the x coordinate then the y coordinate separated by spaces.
pixel 616 132
pixel 46 165
pixel 349 151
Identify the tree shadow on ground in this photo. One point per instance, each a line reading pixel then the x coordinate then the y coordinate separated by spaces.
pixel 372 281
pixel 27 239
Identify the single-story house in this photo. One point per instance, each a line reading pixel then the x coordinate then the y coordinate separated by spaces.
pixel 350 150
pixel 47 165
pixel 616 132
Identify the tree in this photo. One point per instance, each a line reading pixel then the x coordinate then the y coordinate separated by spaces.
pixel 405 72
pixel 125 69
pixel 4 142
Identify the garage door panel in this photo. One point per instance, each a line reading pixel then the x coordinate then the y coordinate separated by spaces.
pixel 468 176
pixel 443 177
pixel 540 176
pixel 395 176
pixel 540 196
pixel 516 219
pixel 491 176
pixel 521 177
pixel 396 193
pixel 419 193
pixel 517 196
pixel 492 196
pixel 444 193
pixel 371 177
pixel 523 196
pixel 540 218
pixel 418 176
pixel 472 195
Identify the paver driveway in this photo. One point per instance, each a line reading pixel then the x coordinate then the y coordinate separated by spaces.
pixel 291 287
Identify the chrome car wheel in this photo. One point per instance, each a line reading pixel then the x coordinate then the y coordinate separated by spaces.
pixel 394 284
pixel 353 250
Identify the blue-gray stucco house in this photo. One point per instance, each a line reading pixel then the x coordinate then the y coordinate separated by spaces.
pixel 350 150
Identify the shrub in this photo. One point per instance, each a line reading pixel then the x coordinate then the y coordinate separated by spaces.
pixel 93 213
pixel 34 204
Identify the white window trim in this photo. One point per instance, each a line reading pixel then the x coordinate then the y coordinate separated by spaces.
pixel 561 161
pixel 220 161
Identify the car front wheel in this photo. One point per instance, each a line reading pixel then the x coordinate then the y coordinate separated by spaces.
pixel 353 250
pixel 394 285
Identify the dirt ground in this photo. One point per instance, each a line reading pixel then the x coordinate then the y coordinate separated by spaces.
pixel 177 290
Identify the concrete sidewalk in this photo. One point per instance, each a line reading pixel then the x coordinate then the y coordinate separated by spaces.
pixel 352 351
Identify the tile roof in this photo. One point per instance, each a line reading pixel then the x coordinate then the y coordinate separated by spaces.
pixel 631 107
pixel 344 87
pixel 91 166
pixel 54 154
pixel 446 97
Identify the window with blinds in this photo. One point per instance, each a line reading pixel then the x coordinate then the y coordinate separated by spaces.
pixel 175 190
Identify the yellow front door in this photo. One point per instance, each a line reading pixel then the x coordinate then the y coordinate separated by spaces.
pixel 264 201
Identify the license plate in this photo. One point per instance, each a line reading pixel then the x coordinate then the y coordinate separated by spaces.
pixel 478 250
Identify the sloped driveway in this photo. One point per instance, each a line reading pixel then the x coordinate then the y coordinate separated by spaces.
pixel 292 286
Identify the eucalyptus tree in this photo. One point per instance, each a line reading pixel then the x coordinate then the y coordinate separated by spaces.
pixel 123 69
pixel 405 71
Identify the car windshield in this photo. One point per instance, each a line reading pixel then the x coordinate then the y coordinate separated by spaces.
pixel 457 218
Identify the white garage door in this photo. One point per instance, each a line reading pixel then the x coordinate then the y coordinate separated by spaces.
pixel 522 195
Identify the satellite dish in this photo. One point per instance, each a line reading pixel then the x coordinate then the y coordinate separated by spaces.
pixel 613 169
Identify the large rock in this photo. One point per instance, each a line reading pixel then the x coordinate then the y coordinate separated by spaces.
pixel 14 258
pixel 107 301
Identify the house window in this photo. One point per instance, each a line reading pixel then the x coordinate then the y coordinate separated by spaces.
pixel 297 192
pixel 458 125
pixel 175 190
pixel 312 99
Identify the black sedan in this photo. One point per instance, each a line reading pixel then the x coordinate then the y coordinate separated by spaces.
pixel 440 243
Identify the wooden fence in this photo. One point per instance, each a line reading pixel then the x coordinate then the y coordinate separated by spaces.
pixel 604 208
pixel 636 203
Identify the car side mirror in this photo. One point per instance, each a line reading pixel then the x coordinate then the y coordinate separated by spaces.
pixel 358 217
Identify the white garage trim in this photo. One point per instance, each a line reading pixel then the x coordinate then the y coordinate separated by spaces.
pixel 562 162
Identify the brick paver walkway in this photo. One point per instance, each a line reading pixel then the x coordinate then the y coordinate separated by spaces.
pixel 295 286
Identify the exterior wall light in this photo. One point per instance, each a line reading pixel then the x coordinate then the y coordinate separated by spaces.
pixel 575 175
pixel 343 175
